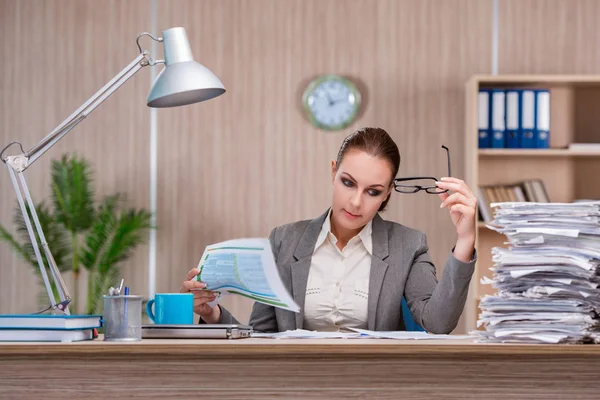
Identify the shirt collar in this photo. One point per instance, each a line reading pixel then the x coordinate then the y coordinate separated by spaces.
pixel 364 235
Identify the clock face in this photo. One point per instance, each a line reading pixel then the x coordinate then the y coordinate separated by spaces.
pixel 331 102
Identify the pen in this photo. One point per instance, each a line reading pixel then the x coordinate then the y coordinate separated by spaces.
pixel 125 311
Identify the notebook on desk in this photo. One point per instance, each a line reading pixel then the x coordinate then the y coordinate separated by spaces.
pixel 197 331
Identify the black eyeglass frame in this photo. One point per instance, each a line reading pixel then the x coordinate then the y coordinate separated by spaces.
pixel 409 189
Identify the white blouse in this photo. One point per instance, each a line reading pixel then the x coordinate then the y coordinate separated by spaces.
pixel 337 290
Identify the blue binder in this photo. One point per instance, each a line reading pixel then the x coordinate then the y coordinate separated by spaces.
pixel 483 118
pixel 498 118
pixel 542 119
pixel 513 119
pixel 528 119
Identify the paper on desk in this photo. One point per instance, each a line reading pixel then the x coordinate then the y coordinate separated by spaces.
pixel 405 335
pixel 305 334
pixel 245 267
pixel 357 333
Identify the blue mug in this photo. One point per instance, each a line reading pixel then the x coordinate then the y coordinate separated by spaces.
pixel 172 309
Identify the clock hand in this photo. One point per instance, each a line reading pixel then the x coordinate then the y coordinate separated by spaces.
pixel 329 100
pixel 335 101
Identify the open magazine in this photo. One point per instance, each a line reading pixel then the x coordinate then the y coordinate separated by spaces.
pixel 245 267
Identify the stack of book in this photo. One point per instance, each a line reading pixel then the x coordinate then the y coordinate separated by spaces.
pixel 48 328
pixel 532 190
pixel 548 279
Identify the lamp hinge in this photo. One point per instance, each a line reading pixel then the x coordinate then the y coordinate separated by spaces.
pixel 18 163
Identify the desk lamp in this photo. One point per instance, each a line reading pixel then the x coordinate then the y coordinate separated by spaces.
pixel 182 81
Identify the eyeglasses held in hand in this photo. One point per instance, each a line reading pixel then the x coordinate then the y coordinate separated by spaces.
pixel 417 183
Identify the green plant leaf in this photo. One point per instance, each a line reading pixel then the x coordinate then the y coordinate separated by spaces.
pixel 42 295
pixel 54 232
pixel 98 285
pixel 113 236
pixel 131 231
pixel 100 233
pixel 72 193
pixel 16 246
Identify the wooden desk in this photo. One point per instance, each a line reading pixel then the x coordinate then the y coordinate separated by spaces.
pixel 307 369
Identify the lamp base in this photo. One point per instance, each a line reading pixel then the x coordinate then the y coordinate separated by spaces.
pixel 61 308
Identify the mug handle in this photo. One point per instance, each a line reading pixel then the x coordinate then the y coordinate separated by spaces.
pixel 149 309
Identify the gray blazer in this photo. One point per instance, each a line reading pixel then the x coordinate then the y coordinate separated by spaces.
pixel 400 266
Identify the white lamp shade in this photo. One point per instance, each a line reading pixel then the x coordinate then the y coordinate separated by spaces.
pixel 183 81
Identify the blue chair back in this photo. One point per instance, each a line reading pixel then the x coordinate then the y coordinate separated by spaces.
pixel 409 322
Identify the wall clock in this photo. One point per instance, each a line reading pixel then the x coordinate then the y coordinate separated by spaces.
pixel 331 102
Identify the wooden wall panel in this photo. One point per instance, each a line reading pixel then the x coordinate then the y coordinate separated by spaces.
pixel 247 161
pixel 548 37
pixel 55 55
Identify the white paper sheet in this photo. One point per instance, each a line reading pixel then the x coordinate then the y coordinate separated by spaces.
pixel 305 334
pixel 406 335
pixel 356 334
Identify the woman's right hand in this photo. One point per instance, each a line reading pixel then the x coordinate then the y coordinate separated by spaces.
pixel 210 315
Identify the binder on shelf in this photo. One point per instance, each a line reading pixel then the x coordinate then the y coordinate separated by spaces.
pixel 539 190
pixel 485 211
pixel 542 123
pixel 483 118
pixel 529 191
pixel 513 119
pixel 498 118
pixel 518 191
pixel 528 119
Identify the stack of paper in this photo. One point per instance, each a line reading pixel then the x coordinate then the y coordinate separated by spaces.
pixel 548 278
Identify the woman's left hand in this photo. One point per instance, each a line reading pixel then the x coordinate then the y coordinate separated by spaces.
pixel 462 205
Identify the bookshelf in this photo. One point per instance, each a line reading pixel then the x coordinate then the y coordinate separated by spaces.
pixel 567 174
pixel 537 153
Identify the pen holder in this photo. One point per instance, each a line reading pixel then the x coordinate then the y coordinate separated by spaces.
pixel 122 318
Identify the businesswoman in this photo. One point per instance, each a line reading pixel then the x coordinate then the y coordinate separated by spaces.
pixel 349 268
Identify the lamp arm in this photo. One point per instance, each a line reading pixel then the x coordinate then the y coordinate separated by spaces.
pixel 22 190
pixel 17 164
pixel 22 161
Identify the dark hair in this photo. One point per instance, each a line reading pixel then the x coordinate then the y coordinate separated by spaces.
pixel 375 142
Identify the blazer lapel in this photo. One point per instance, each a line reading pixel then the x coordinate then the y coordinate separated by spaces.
pixel 299 273
pixel 301 268
pixel 379 267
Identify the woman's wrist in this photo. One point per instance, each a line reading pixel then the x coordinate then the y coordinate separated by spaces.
pixel 214 317
pixel 464 249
